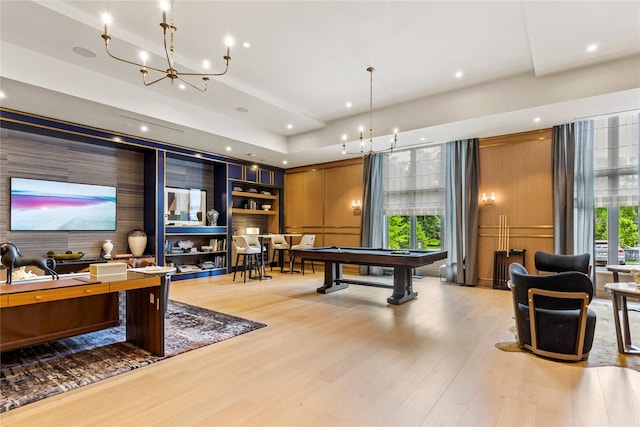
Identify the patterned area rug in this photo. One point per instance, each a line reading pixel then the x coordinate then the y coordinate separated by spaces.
pixel 33 373
pixel 605 347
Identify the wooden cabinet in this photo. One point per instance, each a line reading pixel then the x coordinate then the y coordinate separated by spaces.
pixel 196 251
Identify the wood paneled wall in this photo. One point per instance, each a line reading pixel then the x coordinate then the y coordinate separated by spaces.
pixel 318 201
pixel 518 169
pixel 27 155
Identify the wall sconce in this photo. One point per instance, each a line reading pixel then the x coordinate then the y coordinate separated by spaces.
pixel 490 200
pixel 356 205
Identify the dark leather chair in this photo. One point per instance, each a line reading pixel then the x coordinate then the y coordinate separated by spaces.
pixel 552 314
pixel 554 263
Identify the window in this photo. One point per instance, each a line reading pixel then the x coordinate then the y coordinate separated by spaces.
pixel 414 197
pixel 616 189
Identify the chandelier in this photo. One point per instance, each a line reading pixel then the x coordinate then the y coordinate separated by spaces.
pixel 169 49
pixel 394 140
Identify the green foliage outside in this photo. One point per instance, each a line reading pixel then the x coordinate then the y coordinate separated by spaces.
pixel 628 225
pixel 428 231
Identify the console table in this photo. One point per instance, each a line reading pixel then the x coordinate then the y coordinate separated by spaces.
pixel 35 313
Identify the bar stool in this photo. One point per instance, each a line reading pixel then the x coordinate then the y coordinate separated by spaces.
pixel 279 244
pixel 306 241
pixel 246 251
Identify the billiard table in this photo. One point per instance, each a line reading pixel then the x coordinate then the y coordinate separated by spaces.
pixel 402 261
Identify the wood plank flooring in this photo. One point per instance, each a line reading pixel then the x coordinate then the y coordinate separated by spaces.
pixel 349 359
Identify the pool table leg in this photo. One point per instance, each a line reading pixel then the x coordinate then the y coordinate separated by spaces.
pixel 332 278
pixel 402 286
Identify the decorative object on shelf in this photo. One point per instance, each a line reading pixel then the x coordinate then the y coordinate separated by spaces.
pixel 12 258
pixel 238 189
pixel 69 255
pixel 137 241
pixel 185 245
pixel 266 193
pixel 22 274
pixel 212 217
pixel 394 141
pixel 253 205
pixel 266 207
pixel 107 247
pixel 170 72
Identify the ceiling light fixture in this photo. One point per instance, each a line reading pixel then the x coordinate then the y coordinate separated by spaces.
pixel 394 140
pixel 169 49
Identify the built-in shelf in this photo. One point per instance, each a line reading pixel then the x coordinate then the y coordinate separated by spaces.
pixel 253 211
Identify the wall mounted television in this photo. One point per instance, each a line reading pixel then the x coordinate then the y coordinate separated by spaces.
pixel 61 206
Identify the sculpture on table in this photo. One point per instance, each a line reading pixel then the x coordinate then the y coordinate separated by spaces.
pixel 212 217
pixel 12 258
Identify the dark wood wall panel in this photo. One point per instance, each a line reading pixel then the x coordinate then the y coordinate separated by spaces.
pixel 27 155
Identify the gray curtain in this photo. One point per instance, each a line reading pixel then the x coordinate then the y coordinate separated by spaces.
pixel 563 145
pixel 461 211
pixel 372 220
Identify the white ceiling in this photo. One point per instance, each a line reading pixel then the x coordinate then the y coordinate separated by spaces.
pixel 308 58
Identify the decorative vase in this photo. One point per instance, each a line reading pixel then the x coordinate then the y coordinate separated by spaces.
pixel 137 242
pixel 107 247
pixel 212 217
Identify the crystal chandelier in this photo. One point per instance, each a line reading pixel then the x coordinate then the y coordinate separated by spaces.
pixel 363 153
pixel 168 30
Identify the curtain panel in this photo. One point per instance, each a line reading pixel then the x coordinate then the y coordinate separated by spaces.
pixel 372 220
pixel 460 228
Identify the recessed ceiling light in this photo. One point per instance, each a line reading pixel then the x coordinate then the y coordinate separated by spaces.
pixel 592 47
pixel 83 51
pixel 182 86
pixel 2 95
pixel 284 162
pixel 228 148
pixel 423 139
pixel 459 74
pixel 242 110
pixel 289 126
pixel 246 44
pixel 143 128
pixel 117 139
pixel 537 119
pixel 348 105
pixel 251 154
pixel 206 64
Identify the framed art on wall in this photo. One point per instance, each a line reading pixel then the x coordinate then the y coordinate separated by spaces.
pixel 185 206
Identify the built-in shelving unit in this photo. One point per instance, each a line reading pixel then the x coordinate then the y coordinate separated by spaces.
pixel 208 252
pixel 146 170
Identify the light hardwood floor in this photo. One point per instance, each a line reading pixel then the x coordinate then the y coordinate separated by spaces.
pixel 349 359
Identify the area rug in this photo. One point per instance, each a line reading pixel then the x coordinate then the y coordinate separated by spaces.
pixel 605 347
pixel 34 373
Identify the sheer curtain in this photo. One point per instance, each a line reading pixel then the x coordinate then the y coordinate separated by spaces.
pixel 372 220
pixel 461 211
pixel 584 189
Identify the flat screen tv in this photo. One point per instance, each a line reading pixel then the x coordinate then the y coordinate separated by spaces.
pixel 58 206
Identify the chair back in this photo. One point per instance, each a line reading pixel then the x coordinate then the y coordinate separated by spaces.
pixel 307 241
pixel 243 247
pixel 568 281
pixel 555 263
pixel 279 242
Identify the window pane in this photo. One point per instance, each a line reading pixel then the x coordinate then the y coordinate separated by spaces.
pixel 399 232
pixel 428 232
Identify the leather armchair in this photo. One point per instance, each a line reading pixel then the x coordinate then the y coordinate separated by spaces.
pixel 554 263
pixel 552 314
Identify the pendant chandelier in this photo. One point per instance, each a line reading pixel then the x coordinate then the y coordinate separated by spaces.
pixel 168 30
pixel 363 153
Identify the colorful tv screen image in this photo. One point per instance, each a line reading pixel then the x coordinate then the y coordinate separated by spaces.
pixel 61 206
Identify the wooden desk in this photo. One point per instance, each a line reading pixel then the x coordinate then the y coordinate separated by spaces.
pixel 35 313
pixel 403 262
